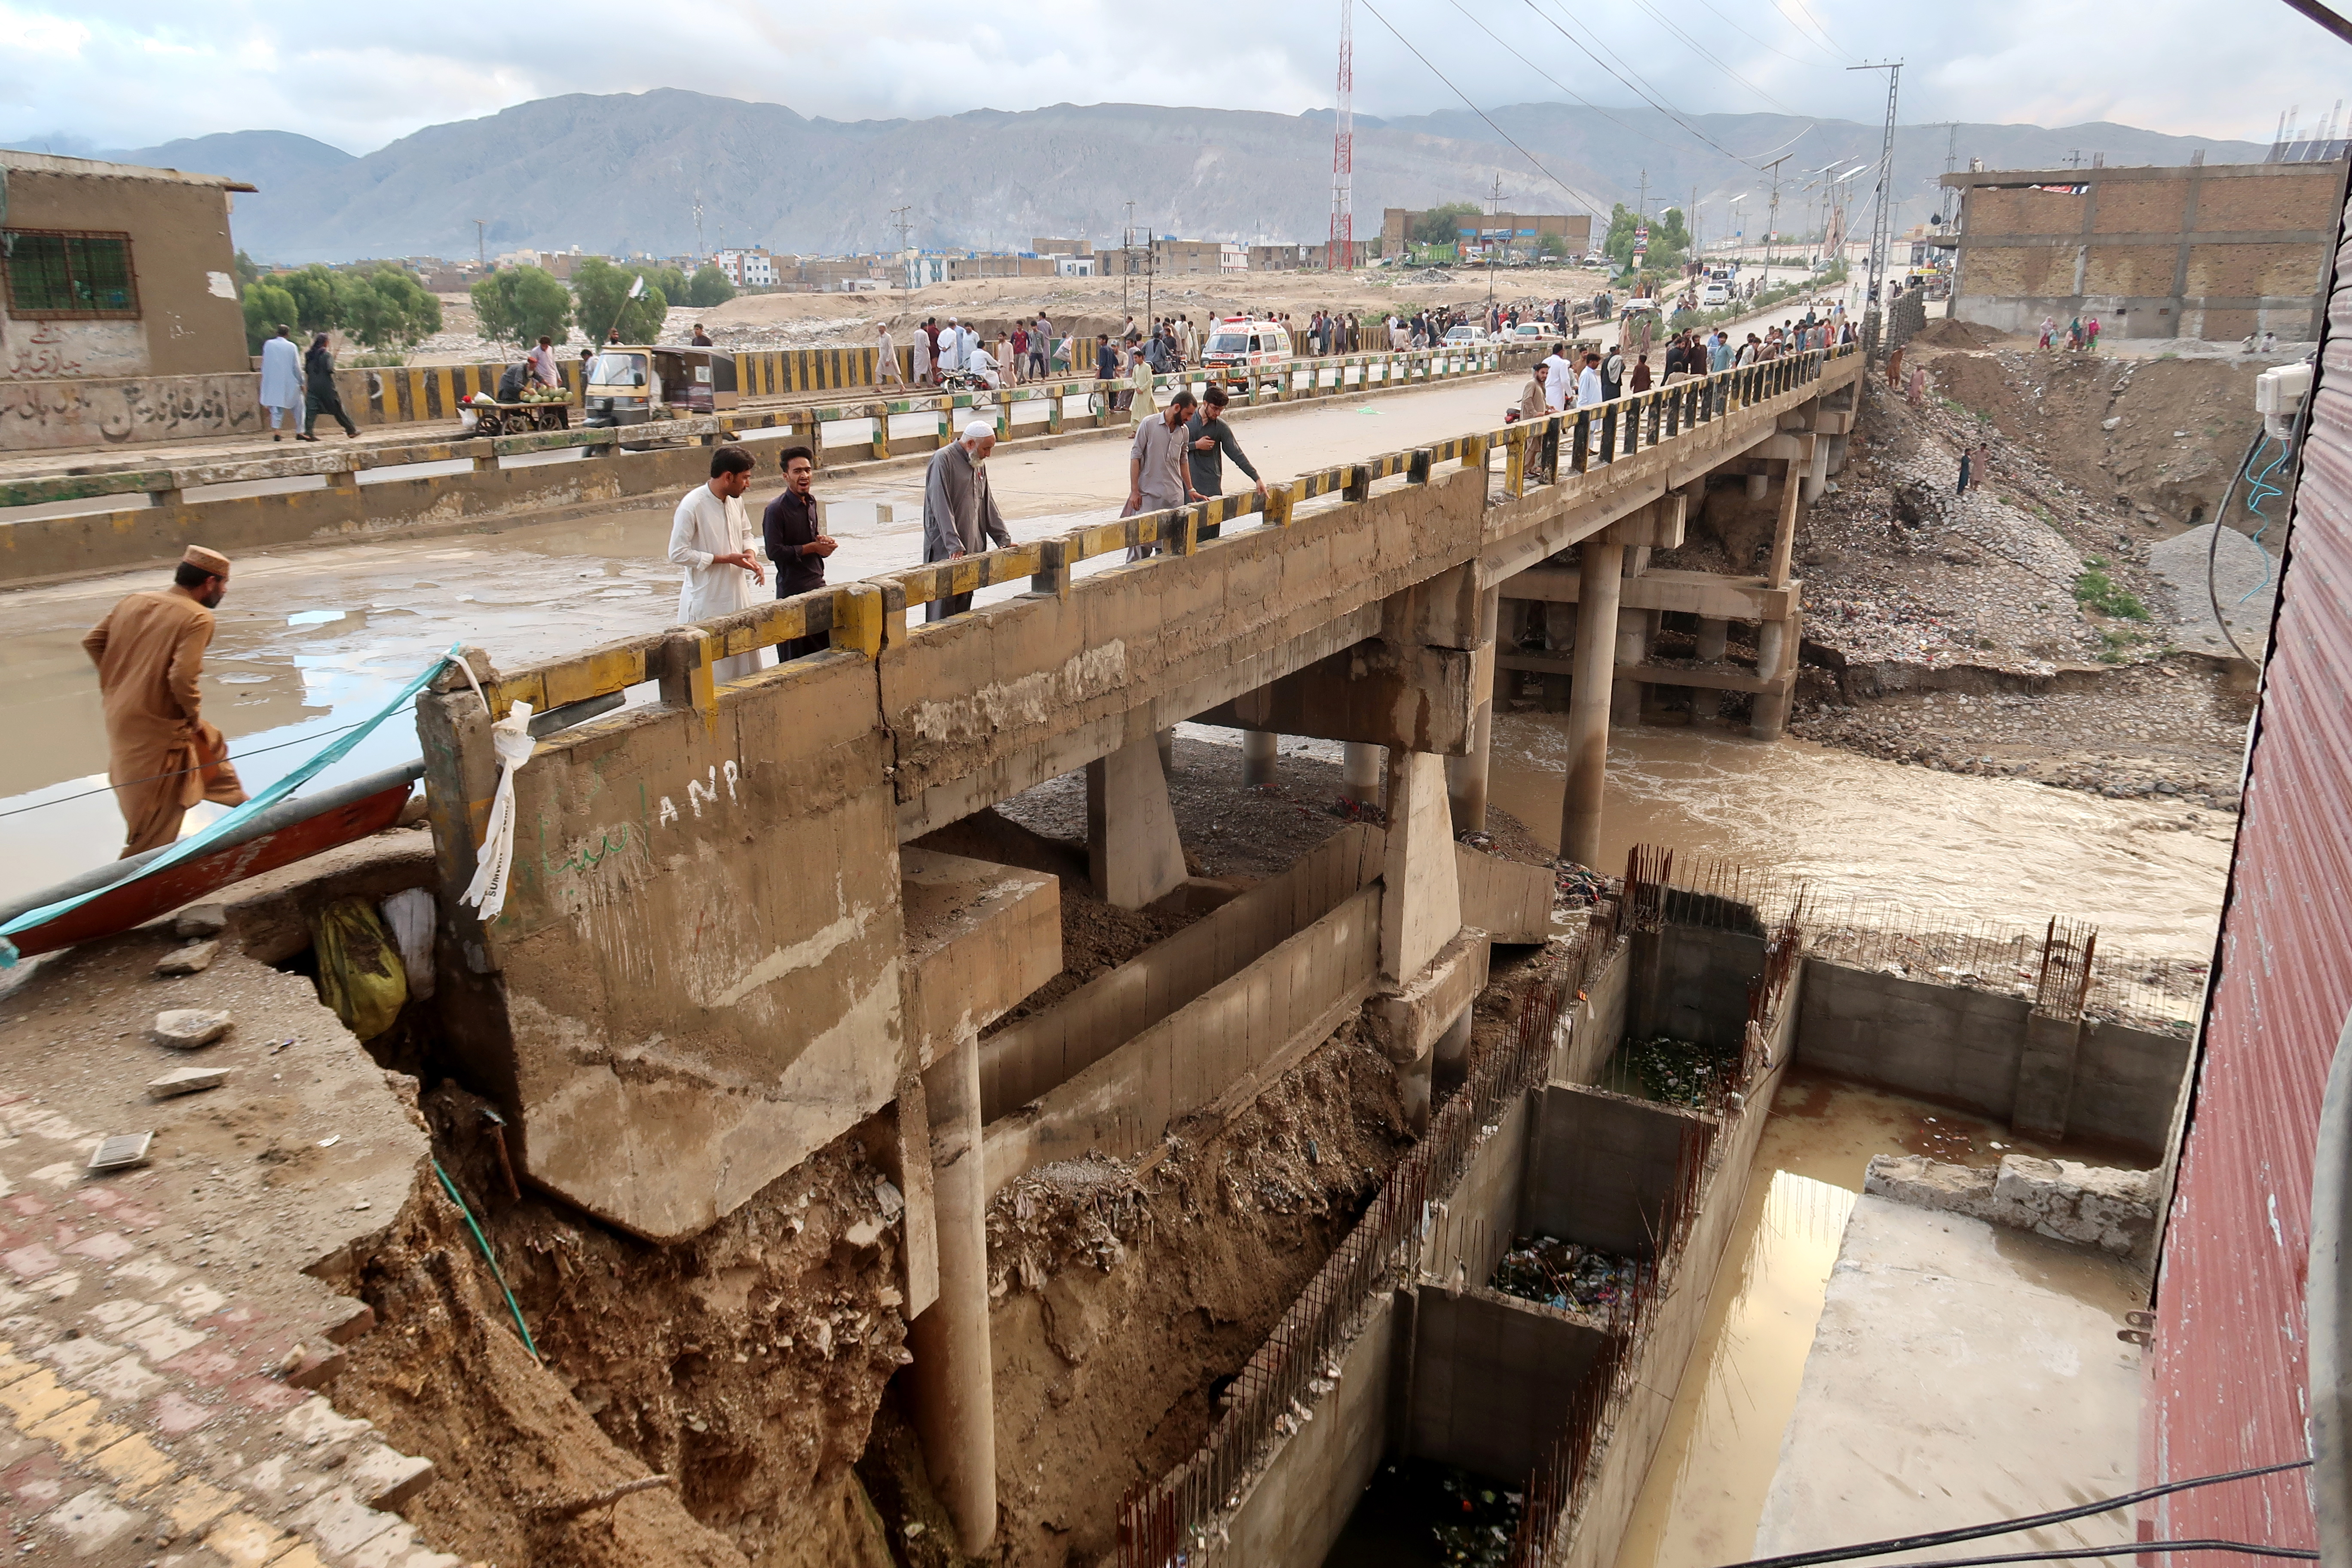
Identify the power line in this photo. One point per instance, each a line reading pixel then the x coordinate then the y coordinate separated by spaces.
pixel 1762 45
pixel 1563 86
pixel 1700 50
pixel 1651 98
pixel 1591 205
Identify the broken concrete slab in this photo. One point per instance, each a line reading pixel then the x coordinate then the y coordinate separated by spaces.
pixel 187 1028
pixel 2062 1200
pixel 1407 1020
pixel 201 919
pixel 185 1080
pixel 193 959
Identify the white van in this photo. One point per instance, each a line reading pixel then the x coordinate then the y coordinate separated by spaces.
pixel 1237 345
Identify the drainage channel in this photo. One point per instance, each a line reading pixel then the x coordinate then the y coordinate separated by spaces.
pixel 1603 1267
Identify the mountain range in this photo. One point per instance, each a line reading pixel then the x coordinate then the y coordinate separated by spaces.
pixel 624 172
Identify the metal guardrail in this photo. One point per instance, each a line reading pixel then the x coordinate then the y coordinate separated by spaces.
pixel 853 612
pixel 1298 379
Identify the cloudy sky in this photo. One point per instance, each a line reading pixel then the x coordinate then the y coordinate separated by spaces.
pixel 134 73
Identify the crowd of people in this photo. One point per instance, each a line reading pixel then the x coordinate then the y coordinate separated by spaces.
pixel 1560 383
pixel 2079 333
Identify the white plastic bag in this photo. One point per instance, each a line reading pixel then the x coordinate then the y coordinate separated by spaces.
pixel 510 738
pixel 409 915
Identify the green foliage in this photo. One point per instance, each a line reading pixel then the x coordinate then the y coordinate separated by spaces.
pixel 248 271
pixel 1684 322
pixel 707 287
pixel 1442 225
pixel 2097 592
pixel 316 308
pixel 386 309
pixel 1552 246
pixel 265 307
pixel 2115 648
pixel 600 293
pixel 1669 239
pixel 520 305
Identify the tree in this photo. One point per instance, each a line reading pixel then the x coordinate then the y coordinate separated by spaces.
pixel 1441 226
pixel 267 307
pixel 1552 246
pixel 388 308
pixel 317 306
pixel 249 271
pixel 520 305
pixel 1669 239
pixel 599 293
pixel 707 287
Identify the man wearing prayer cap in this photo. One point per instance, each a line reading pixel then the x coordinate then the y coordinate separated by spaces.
pixel 162 757
pixel 959 514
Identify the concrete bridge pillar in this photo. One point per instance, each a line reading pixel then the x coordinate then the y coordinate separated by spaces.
pixel 1133 854
pixel 1420 922
pixel 1633 648
pixel 1466 776
pixel 1359 772
pixel 1601 572
pixel 1817 470
pixel 1713 641
pixel 1768 715
pixel 1759 484
pixel 1258 747
pixel 954 1389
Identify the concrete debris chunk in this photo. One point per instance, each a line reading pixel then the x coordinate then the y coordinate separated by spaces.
pixel 185 1080
pixel 193 959
pixel 121 1151
pixel 186 1028
pixel 201 919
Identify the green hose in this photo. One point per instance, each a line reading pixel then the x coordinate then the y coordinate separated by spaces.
pixel 483 1242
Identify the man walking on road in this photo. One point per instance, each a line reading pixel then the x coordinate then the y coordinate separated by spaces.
pixel 710 537
pixel 1157 476
pixel 1590 388
pixel 796 544
pixel 162 756
pixel 281 380
pixel 960 515
pixel 320 392
pixel 885 359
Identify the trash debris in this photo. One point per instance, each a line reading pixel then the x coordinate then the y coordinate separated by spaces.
pixel 1568 1275
pixel 193 959
pixel 121 1151
pixel 186 1028
pixel 185 1080
pixel 1677 1072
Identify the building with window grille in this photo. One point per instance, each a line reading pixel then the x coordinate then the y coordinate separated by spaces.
pixel 108 270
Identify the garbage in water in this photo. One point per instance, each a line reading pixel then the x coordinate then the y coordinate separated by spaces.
pixel 1676 1072
pixel 1566 1274
pixel 1419 1513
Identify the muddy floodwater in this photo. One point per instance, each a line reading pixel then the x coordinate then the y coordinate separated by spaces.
pixel 1714 1467
pixel 1975 850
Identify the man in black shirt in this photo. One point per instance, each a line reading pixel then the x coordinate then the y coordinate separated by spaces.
pixel 1209 441
pixel 796 544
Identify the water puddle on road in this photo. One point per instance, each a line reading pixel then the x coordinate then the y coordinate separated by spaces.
pixel 1714 1467
pixel 2001 851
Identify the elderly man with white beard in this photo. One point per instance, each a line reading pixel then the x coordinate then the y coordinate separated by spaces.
pixel 959 514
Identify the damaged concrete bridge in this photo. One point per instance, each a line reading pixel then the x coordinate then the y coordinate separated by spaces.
pixel 741 923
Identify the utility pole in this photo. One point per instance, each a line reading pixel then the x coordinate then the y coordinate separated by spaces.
pixel 1493 209
pixel 1772 221
pixel 1127 265
pixel 698 251
pixel 1872 313
pixel 1339 249
pixel 898 221
pixel 481 250
pixel 1951 145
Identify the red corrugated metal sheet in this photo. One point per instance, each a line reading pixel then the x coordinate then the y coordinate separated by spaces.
pixel 2227 1384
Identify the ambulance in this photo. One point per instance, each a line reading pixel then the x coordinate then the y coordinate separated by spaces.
pixel 1240 344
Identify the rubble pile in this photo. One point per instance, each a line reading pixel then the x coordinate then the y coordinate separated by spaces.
pixel 1675 1072
pixel 1568 1275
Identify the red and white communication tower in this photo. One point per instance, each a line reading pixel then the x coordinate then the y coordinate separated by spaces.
pixel 1340 255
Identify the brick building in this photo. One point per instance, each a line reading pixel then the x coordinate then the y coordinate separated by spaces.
pixel 2196 252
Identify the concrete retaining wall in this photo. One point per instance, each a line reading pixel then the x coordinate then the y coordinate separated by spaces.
pixel 1697 985
pixel 1474 1224
pixel 1959 1047
pixel 1492 1379
pixel 1600 1167
pixel 1221 1049
pixel 1510 901
pixel 1596 1023
pixel 1028 1058
pixel 1297 1507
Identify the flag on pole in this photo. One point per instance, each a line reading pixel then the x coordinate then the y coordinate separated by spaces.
pixel 638 287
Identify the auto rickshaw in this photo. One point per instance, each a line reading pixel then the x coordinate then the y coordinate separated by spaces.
pixel 629 383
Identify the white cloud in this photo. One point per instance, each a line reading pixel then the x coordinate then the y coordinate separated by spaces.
pixel 128 73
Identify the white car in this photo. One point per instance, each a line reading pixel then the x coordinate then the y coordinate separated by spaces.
pixel 1465 334
pixel 1716 294
pixel 1532 332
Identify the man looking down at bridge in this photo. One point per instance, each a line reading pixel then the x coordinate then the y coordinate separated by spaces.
pixel 162 756
pixel 796 543
pixel 1157 478
pixel 710 537
pixel 1211 441
pixel 959 514
pixel 1557 372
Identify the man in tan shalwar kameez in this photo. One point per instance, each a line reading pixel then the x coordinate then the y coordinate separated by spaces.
pixel 162 758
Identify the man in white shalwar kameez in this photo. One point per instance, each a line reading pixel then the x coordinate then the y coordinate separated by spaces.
pixel 711 537
pixel 281 382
